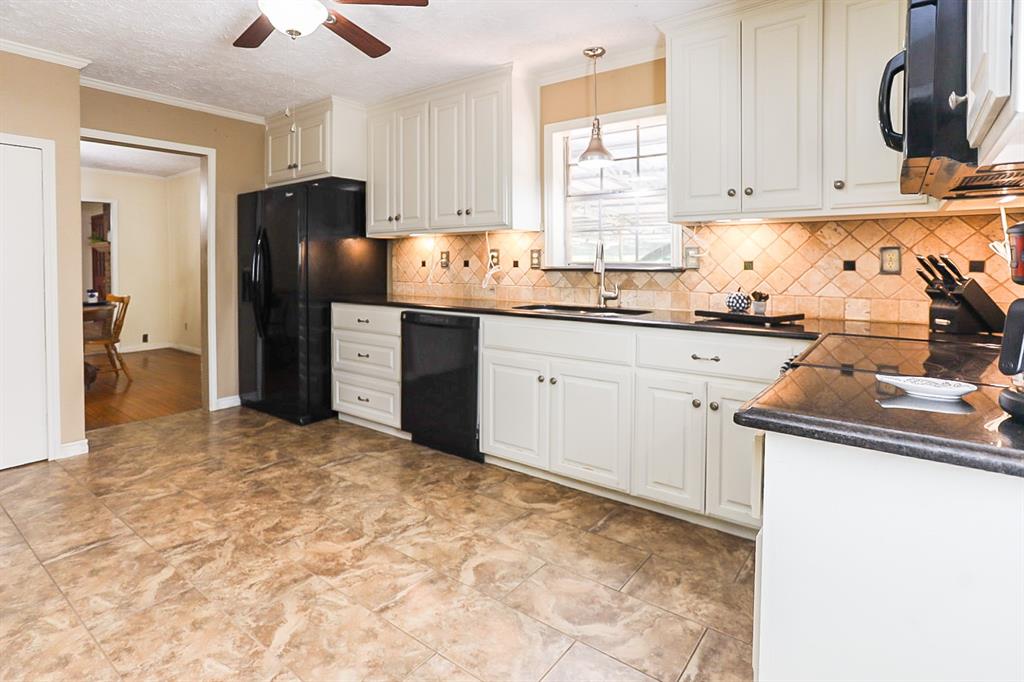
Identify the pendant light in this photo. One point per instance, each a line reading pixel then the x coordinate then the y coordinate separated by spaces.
pixel 596 154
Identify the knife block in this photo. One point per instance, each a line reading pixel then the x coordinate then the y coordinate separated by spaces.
pixel 967 309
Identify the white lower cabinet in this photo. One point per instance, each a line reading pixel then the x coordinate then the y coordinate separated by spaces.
pixel 668 464
pixel 515 394
pixel 591 422
pixel 733 482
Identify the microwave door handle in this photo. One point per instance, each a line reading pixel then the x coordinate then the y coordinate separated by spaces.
pixel 896 65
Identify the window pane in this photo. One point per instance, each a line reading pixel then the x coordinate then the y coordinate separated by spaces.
pixel 578 141
pixel 653 140
pixel 584 180
pixel 653 174
pixel 621 143
pixel 620 177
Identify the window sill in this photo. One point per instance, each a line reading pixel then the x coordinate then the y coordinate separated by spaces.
pixel 615 268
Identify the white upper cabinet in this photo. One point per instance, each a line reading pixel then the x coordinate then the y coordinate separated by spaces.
pixel 482 170
pixel 321 139
pixel 780 112
pixel 704 136
pixel 860 37
pixel 380 185
pixel 772 110
pixel 396 191
pixel 989 33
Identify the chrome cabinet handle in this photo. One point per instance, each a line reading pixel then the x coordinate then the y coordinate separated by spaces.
pixel 362 355
pixel 459 212
pixel 363 320
pixel 748 191
pixel 838 184
pixel 713 406
pixel 362 399
pixel 540 379
pixel 713 358
pixel 696 402
pixel 554 381
pixel 956 100
pixel 731 192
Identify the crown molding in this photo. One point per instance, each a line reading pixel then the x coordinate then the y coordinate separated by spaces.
pixel 610 62
pixel 43 55
pixel 717 10
pixel 171 101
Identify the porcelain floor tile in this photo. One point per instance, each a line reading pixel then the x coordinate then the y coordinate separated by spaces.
pixel 440 669
pixel 719 659
pixel 26 591
pixel 634 632
pixel 70 528
pixel 53 649
pixel 582 662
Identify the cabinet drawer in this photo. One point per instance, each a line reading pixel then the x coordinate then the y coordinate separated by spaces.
pixel 576 340
pixel 367 318
pixel 745 357
pixel 376 355
pixel 373 399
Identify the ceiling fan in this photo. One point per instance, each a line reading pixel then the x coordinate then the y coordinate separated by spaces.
pixel 297 18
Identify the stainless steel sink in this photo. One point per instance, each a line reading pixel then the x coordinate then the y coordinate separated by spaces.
pixel 589 311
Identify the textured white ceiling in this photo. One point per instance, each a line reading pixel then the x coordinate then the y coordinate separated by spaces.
pixel 132 160
pixel 182 48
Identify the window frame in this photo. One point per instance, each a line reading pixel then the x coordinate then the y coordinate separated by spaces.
pixel 555 256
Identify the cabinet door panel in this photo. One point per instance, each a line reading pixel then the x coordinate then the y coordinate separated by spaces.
pixel 411 167
pixel 380 175
pixel 447 162
pixel 989 40
pixel 515 407
pixel 280 152
pixel 781 91
pixel 731 453
pixel 311 146
pixel 486 198
pixel 591 422
pixel 704 121
pixel 668 464
pixel 860 37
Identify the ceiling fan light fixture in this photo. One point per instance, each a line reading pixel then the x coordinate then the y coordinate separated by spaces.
pixel 294 18
pixel 596 155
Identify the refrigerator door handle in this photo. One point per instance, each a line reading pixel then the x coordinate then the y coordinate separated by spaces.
pixel 257 285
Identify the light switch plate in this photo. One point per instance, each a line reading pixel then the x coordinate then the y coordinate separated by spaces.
pixel 445 262
pixel 890 260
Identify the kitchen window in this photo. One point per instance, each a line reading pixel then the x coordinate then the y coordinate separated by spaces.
pixel 624 205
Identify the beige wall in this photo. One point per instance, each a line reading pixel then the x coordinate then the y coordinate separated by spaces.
pixel 239 148
pixel 183 250
pixel 631 87
pixel 39 99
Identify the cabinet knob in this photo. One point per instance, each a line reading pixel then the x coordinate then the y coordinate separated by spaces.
pixel 696 402
pixel 713 406
pixel 554 381
pixel 391 219
pixel 838 184
pixel 956 100
pixel 469 211
pixel 748 191
pixel 398 217
pixel 731 192
pixel 459 212
pixel 540 379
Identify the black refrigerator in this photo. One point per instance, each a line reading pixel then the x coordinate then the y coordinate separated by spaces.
pixel 300 247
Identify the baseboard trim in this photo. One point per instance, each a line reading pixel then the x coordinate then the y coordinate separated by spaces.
pixel 383 428
pixel 137 348
pixel 228 401
pixel 187 349
pixel 75 447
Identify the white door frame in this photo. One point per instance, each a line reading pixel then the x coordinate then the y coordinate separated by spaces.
pixel 112 237
pixel 50 295
pixel 207 239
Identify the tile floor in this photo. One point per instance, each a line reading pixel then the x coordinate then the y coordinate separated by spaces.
pixel 235 546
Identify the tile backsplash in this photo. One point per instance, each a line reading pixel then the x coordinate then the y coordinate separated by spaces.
pixel 805 266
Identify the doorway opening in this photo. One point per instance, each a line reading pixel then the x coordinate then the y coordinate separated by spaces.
pixel 142 308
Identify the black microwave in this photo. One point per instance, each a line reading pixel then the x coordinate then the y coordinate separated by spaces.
pixel 937 158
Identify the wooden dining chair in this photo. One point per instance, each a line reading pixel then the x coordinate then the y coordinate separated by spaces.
pixel 110 336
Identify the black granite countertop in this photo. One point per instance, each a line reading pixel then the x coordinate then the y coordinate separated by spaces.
pixel 831 394
pixel 808 329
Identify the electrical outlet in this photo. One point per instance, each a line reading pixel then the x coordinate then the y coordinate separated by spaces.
pixel 145 338
pixel 534 259
pixel 691 258
pixel 444 259
pixel 890 260
pixel 495 257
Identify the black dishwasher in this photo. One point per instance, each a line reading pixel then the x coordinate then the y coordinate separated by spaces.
pixel 439 381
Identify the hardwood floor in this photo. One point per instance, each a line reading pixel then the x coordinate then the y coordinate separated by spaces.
pixel 166 381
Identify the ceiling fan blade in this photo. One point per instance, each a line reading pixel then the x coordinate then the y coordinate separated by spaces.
pixel 257 32
pixel 397 3
pixel 355 35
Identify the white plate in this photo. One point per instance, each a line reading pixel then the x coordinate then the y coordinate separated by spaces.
pixel 928 387
pixel 909 402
